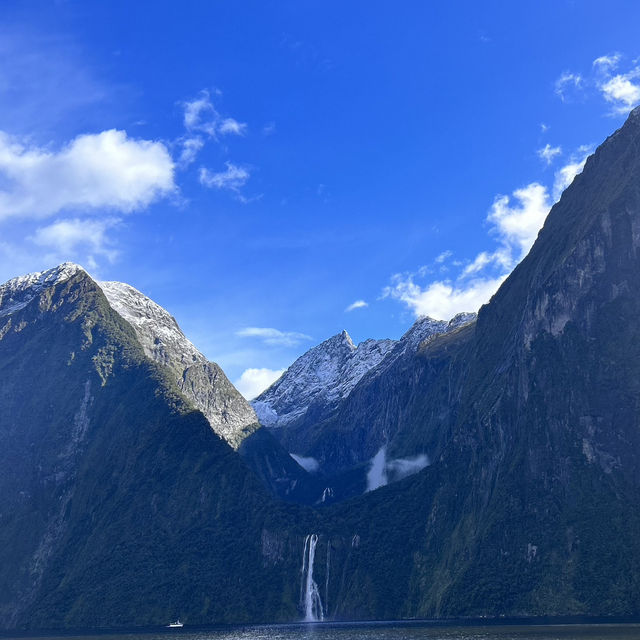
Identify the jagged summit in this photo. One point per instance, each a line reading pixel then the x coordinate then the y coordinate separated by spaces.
pixel 425 327
pixel 16 293
pixel 322 376
pixel 325 375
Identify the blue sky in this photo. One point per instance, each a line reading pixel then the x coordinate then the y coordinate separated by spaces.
pixel 272 172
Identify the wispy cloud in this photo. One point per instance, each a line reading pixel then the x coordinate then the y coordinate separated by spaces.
pixel 190 148
pixel 253 382
pixel 442 299
pixel 202 121
pixel 621 91
pixel 107 170
pixel 234 178
pixel 445 255
pixel 231 126
pixel 200 115
pixel 565 175
pixel 358 304
pixel 620 87
pixel 46 83
pixel 567 85
pixel 607 63
pixel 515 222
pixel 274 337
pixel 66 237
pixel 548 153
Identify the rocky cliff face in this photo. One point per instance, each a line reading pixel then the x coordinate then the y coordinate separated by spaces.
pixel 316 382
pixel 329 405
pixel 531 418
pixel 207 388
pixel 203 382
pixel 119 504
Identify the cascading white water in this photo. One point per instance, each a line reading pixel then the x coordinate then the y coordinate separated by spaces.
pixel 310 594
pixel 326 581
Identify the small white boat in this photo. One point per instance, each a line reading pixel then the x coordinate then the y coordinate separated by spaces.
pixel 175 625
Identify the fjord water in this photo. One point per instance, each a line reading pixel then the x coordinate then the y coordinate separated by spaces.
pixel 386 631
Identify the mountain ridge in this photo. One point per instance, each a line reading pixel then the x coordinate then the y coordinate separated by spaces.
pixel 119 503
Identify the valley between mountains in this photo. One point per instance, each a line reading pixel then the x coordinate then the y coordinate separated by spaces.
pixel 488 465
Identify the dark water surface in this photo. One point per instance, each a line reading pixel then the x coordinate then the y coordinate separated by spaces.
pixel 384 631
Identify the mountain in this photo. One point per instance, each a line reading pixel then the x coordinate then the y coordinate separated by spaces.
pixel 119 504
pixel 531 420
pixel 207 388
pixel 316 382
pixel 308 408
pixel 203 382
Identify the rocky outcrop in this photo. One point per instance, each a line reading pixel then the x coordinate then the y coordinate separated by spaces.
pixel 336 403
pixel 317 381
pixel 203 382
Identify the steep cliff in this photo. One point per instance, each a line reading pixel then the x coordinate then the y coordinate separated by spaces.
pixel 118 502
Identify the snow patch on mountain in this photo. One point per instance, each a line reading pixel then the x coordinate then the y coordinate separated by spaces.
pixel 156 328
pixel 201 381
pixel 326 374
pixel 17 293
pixel 322 377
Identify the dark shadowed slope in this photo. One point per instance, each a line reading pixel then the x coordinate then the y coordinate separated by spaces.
pixel 118 503
pixel 531 419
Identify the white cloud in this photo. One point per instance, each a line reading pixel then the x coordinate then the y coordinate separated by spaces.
pixel 515 222
pixel 605 64
pixel 234 178
pixel 274 337
pixel 190 148
pixel 567 84
pixel 518 225
pixel 564 176
pixel 200 115
pixel 253 382
pixel 65 237
pixel 621 91
pixel 548 153
pixel 358 304
pixel 201 118
pixel 619 88
pixel 443 299
pixel 93 171
pixel 229 125
pixel 445 255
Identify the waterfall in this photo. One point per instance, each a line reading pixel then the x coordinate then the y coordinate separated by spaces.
pixel 310 594
pixel 326 582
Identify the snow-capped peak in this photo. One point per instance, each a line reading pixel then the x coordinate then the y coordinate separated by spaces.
pixel 201 381
pixel 322 376
pixel 17 293
pixel 156 328
pixel 325 375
